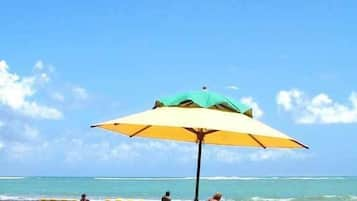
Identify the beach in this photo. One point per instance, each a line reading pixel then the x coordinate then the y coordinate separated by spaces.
pixel 151 188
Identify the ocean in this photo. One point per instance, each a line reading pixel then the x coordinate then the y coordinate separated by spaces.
pixel 182 189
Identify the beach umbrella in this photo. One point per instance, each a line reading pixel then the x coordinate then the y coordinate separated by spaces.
pixel 202 117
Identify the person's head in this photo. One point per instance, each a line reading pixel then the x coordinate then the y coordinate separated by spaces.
pixel 83 196
pixel 217 196
pixel 167 193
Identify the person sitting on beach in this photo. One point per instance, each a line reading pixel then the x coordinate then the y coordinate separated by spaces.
pixel 84 197
pixel 166 197
pixel 216 197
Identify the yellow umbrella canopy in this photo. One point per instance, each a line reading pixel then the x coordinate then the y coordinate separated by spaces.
pixel 191 124
pixel 201 117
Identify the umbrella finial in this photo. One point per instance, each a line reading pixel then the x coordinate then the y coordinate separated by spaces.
pixel 204 88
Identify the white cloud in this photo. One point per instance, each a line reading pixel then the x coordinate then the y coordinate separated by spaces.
pixel 1 146
pixel 317 109
pixel 25 150
pixel 16 91
pixel 19 150
pixel 19 104
pixel 39 65
pixel 34 110
pixel 13 90
pixel 182 152
pixel 41 71
pixel 30 132
pixel 44 77
pixel 232 87
pixel 288 98
pixel 126 151
pixel 22 141
pixel 31 145
pixel 257 111
pixel 80 93
pixel 105 151
pixel 57 96
pixel 51 68
pixel 276 154
pixel 232 155
pixel 19 130
pixel 223 155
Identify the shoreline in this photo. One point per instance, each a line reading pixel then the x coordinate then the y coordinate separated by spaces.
pixel 182 189
pixel 254 198
pixel 189 178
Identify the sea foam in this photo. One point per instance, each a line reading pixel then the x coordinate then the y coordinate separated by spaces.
pixel 9 178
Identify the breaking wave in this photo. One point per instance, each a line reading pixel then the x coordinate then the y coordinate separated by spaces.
pixel 217 178
pixel 10 178
pixel 255 198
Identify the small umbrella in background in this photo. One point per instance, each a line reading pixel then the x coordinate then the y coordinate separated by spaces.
pixel 202 117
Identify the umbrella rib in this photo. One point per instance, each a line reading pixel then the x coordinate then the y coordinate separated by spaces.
pixel 257 141
pixel 196 132
pixel 302 145
pixel 227 108
pixel 139 131
pixel 200 135
pixel 191 130
pixel 186 103
pixel 209 132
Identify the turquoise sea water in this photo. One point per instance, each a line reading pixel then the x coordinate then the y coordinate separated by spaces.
pixel 233 188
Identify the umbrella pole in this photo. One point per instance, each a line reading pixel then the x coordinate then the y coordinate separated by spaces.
pixel 198 169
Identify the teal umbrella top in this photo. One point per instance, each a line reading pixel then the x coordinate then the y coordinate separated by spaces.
pixel 204 99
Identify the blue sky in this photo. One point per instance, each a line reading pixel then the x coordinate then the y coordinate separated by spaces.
pixel 66 65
